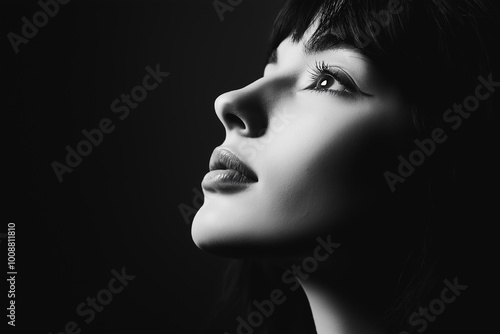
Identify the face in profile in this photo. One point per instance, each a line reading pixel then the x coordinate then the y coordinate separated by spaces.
pixel 302 151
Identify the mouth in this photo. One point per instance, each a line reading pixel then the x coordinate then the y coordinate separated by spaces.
pixel 227 172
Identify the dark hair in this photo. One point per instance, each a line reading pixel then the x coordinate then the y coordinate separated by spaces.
pixel 433 49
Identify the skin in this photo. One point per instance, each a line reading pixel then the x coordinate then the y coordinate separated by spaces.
pixel 318 158
pixel 312 153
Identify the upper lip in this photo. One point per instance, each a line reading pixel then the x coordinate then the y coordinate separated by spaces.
pixel 223 158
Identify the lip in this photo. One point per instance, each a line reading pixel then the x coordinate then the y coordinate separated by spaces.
pixel 227 172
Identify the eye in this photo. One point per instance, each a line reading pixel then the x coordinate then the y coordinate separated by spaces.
pixel 326 78
pixel 325 81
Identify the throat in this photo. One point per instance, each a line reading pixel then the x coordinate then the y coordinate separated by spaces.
pixel 333 314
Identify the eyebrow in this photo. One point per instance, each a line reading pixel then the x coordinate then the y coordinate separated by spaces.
pixel 331 42
pixel 326 42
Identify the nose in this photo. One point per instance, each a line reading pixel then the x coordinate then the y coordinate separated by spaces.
pixel 245 110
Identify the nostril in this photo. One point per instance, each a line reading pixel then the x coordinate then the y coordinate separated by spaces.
pixel 234 121
pixel 243 111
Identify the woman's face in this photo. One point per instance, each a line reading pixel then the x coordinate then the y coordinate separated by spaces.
pixel 313 133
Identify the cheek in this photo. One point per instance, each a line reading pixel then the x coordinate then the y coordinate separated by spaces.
pixel 306 184
pixel 326 166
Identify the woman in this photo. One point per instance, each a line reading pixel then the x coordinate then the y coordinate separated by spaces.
pixel 342 166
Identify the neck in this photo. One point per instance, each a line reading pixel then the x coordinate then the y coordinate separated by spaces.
pixel 350 292
pixel 333 313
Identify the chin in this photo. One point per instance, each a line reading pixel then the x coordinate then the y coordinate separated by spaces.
pixel 216 232
pixel 211 233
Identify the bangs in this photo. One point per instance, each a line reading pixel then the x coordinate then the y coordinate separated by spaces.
pixel 357 23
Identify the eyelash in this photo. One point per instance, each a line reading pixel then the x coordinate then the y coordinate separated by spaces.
pixel 322 68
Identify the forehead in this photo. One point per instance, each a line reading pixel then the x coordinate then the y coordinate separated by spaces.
pixel 309 46
pixel 292 52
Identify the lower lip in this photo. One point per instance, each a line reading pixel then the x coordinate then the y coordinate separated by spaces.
pixel 227 180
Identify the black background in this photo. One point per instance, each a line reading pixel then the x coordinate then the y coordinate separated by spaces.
pixel 119 207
